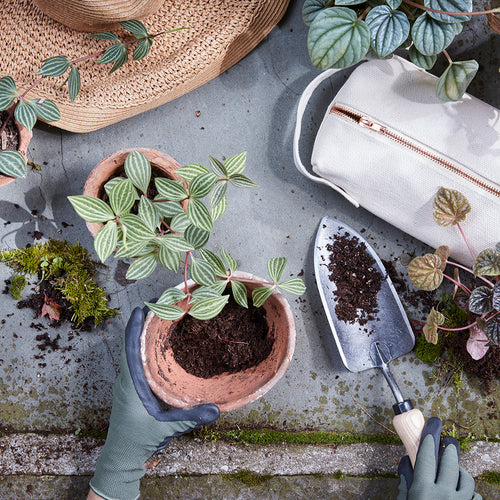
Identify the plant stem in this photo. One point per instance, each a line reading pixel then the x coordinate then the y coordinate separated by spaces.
pixel 466 241
pixel 460 285
pixel 470 271
pixel 423 7
pixel 457 329
pixel 363 14
pixel 447 56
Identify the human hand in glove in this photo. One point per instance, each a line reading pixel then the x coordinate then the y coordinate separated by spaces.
pixel 138 426
pixel 437 474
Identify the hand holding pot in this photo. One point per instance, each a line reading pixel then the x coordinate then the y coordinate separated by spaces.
pixel 437 474
pixel 138 425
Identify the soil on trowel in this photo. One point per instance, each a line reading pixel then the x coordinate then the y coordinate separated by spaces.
pixel 357 280
pixel 236 339
pixel 9 138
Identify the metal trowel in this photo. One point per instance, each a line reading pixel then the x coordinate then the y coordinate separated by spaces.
pixel 375 344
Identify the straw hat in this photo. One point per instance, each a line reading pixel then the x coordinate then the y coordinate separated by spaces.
pixel 220 33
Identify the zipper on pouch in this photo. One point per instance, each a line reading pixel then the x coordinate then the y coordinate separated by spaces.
pixel 367 122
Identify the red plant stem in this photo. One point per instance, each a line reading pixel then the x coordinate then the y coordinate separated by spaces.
pixel 460 285
pixel 447 56
pixel 423 7
pixel 457 329
pixel 470 271
pixel 466 241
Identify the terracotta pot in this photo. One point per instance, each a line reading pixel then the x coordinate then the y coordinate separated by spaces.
pixel 25 136
pixel 101 15
pixel 114 164
pixel 172 384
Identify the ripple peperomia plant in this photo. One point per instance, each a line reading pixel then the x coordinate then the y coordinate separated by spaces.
pixel 170 228
pixel 479 296
pixel 27 111
pixel 342 32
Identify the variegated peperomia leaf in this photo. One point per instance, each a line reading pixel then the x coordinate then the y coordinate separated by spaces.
pixel 425 272
pixel 434 319
pixel 171 296
pixel 201 272
pixel 430 36
pixel 142 267
pixel 450 207
pixel 106 240
pixel 138 170
pixel 493 330
pixel 12 163
pixel 449 6
pixel 166 312
pixel 293 285
pixel 488 263
pixel 215 261
pixel 312 8
pixel 388 29
pixel 208 308
pixel 91 209
pixel 496 296
pixel 275 268
pixel 261 294
pixel 481 300
pixel 240 293
pixel 231 262
pixel 237 163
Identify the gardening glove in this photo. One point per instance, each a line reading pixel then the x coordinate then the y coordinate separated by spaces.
pixel 436 475
pixel 138 426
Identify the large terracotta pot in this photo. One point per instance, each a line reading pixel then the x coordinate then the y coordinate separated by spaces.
pixel 25 136
pixel 97 15
pixel 114 164
pixel 172 384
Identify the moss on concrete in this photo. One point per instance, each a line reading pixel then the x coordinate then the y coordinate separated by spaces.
pixel 248 477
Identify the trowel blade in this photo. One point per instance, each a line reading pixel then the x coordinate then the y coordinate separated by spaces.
pixel 390 330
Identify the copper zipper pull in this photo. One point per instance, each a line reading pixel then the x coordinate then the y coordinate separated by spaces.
pixel 366 122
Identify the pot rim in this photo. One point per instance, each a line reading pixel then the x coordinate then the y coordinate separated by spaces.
pixel 176 400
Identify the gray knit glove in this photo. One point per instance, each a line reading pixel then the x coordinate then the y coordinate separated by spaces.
pixel 138 426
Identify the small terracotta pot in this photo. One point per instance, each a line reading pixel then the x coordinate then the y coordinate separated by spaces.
pixel 25 136
pixel 114 163
pixel 172 384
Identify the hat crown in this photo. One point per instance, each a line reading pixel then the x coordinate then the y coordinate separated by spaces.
pixel 96 15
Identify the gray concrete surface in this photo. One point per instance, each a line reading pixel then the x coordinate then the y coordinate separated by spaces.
pixel 250 107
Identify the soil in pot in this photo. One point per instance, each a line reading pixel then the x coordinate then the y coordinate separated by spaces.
pixel 236 339
pixel 9 139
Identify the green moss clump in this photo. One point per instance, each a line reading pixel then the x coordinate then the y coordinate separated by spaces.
pixel 17 285
pixel 248 477
pixel 71 271
pixel 269 436
pixel 427 352
pixel 490 477
pixel 454 315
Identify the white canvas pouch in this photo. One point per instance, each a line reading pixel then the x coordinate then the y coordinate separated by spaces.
pixel 388 143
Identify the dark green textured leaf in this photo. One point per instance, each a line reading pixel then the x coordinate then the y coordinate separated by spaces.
pixel 74 83
pixel 425 62
pixel 105 36
pixel 430 36
pixel 449 6
pixel 496 296
pixel 488 263
pixel 393 4
pixel 337 39
pixel 481 300
pixel 142 49
pixel 453 83
pixel 493 330
pixel 388 29
pixel 54 66
pixel 135 27
pixel 312 8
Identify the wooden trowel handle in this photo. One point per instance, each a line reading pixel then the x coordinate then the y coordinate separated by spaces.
pixel 409 427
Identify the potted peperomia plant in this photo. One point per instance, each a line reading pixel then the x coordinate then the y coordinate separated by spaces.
pixel 171 225
pixel 466 323
pixel 344 32
pixel 21 112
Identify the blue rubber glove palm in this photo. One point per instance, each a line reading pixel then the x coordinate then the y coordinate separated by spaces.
pixel 435 477
pixel 138 426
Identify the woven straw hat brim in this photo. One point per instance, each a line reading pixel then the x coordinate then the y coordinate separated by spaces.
pixel 220 33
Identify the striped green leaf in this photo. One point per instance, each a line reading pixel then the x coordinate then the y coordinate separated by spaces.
pixel 236 164
pixel 74 83
pixel 130 249
pixel 8 92
pixel 189 172
pixel 45 109
pixel 142 49
pixel 218 193
pixel 169 258
pixel 138 170
pixel 218 167
pixel 166 312
pixel 201 185
pixel 205 292
pixel 180 223
pixel 430 36
pixel 25 114
pixel 120 61
pixel 199 215
pixel 215 261
pixel 293 285
pixel 201 272
pixel 12 163
pixel 240 180
pixel 230 261
pixel 261 294
pixel 91 209
pixel 171 296
pixel 122 197
pixel 170 189
pixel 149 213
pixel 168 209
pixel 105 36
pixel 106 239
pixel 175 242
pixel 196 237
pixel 275 267
pixel 239 291
pixel 135 27
pixel 135 228
pixel 208 308
pixel 112 53
pixel 217 210
pixel 388 29
pixel 142 267
pixel 54 66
